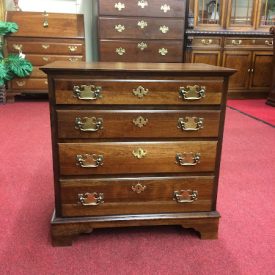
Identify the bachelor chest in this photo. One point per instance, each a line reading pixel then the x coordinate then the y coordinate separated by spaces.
pixel 135 144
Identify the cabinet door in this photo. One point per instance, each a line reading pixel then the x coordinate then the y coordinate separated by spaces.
pixel 207 57
pixel 266 13
pixel 261 74
pixel 242 14
pixel 241 61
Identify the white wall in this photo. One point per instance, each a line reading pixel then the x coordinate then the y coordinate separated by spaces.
pixel 67 6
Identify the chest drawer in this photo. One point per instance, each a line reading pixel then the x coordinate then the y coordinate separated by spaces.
pixel 140 195
pixel 46 47
pixel 140 28
pixel 249 42
pixel 137 124
pixel 136 157
pixel 153 92
pixel 141 51
pixel 169 8
pixel 206 42
pixel 40 60
pixel 29 83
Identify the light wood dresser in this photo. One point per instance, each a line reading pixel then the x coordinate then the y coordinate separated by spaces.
pixel 44 38
pixel 135 144
pixel 141 31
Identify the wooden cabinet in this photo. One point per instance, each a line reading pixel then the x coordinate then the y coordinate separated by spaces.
pixel 141 31
pixel 44 38
pixel 135 144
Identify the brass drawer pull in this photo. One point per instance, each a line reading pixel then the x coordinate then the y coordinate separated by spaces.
pixel 46 82
pixel 119 6
pixel 185 196
pixel 142 46
pixel 119 28
pixel 120 51
pixel 190 123
pixel 89 124
pixel 45 46
pixel 164 29
pixel 21 83
pixel 142 24
pixel 72 48
pixel 90 199
pixel 87 92
pixel 139 153
pixel 184 159
pixel 45 22
pixel 165 8
pixel 269 43
pixel 140 92
pixel 163 51
pixel 18 47
pixel 195 92
pixel 45 58
pixel 89 161
pixel 140 121
pixel 142 3
pixel 73 59
pixel 207 41
pixel 139 188
pixel 236 42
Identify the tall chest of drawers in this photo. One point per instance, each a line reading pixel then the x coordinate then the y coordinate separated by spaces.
pixel 44 38
pixel 135 144
pixel 141 30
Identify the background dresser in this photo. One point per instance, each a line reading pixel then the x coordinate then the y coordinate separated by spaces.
pixel 135 144
pixel 44 38
pixel 141 31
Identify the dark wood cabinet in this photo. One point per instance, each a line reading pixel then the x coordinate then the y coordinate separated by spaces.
pixel 135 144
pixel 141 31
pixel 43 38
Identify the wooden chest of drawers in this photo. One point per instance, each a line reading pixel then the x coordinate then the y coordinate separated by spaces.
pixel 44 38
pixel 135 144
pixel 141 31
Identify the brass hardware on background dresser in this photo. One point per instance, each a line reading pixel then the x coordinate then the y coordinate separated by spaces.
pixel 140 92
pixel 142 24
pixel 165 8
pixel 119 6
pixel 142 3
pixel 87 92
pixel 207 41
pixel 138 188
pixel 185 196
pixel 90 199
pixel 72 48
pixel 188 159
pixel 140 121
pixel 73 59
pixel 119 28
pixel 89 161
pixel 163 51
pixel 120 51
pixel 45 58
pixel 164 29
pixel 18 47
pixel 269 43
pixel 45 46
pixel 139 153
pixel 46 82
pixel 236 42
pixel 142 46
pixel 21 83
pixel 45 22
pixel 190 123
pixel 195 92
pixel 89 124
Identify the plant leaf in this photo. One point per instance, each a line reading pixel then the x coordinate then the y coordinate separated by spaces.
pixel 7 27
pixel 19 66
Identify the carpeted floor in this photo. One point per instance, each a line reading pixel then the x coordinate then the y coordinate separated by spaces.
pixel 246 200
pixel 255 108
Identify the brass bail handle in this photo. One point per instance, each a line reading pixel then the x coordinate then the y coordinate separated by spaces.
pixel 185 196
pixel 87 92
pixel 91 199
pixel 89 124
pixel 184 159
pixel 89 161
pixel 45 22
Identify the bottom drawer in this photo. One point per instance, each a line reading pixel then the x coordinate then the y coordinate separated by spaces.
pixel 83 197
pixel 29 84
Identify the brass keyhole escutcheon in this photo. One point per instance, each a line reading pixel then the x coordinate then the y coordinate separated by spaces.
pixel 140 92
pixel 138 188
pixel 139 153
pixel 140 121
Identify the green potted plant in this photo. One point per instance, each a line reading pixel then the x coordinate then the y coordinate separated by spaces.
pixel 14 65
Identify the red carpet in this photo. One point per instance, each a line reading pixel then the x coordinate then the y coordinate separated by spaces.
pixel 246 200
pixel 256 108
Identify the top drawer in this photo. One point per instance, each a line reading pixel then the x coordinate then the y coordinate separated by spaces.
pixel 168 8
pixel 207 42
pixel 139 92
pixel 39 24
